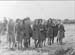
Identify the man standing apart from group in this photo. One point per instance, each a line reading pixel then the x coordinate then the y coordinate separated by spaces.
pixel 11 33
pixel 61 32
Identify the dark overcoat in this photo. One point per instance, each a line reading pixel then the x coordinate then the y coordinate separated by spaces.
pixel 11 32
pixel 36 32
pixel 42 32
pixel 19 32
pixel 55 30
pixel 49 30
pixel 27 31
pixel 61 32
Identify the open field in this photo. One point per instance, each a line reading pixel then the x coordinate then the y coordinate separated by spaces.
pixel 69 41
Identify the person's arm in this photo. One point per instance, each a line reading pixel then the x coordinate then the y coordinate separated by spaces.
pixel 15 29
pixel 63 28
pixel 33 28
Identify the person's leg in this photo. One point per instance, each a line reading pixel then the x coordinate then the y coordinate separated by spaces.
pixel 35 42
pixel 18 41
pixel 53 40
pixel 43 43
pixel 29 42
pixel 49 41
pixel 15 45
pixel 9 45
pixel 13 41
pixel 40 43
pixel 21 44
pixel 9 41
pixel 18 45
pixel 60 41
pixel 57 40
pixel 25 43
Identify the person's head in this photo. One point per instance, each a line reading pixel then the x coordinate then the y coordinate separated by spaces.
pixel 10 20
pixel 60 22
pixel 18 20
pixel 40 21
pixel 55 21
pixel 26 20
pixel 50 20
pixel 35 22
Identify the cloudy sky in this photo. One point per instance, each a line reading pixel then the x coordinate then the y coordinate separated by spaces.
pixel 37 9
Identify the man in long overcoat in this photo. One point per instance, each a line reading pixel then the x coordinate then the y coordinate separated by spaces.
pixel 42 35
pixel 11 33
pixel 55 29
pixel 19 33
pixel 38 33
pixel 27 32
pixel 61 33
pixel 50 31
pixel 35 34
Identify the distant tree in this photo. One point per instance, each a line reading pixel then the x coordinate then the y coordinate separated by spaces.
pixel 67 21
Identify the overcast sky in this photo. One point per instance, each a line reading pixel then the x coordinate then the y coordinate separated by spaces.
pixel 37 9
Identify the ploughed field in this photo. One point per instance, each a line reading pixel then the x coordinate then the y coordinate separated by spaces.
pixel 69 42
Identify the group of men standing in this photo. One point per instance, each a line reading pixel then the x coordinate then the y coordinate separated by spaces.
pixel 20 32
